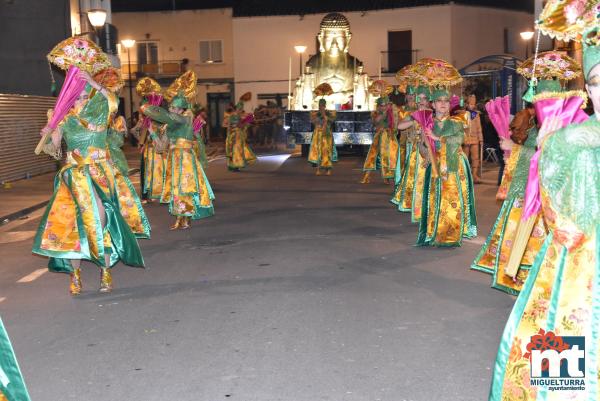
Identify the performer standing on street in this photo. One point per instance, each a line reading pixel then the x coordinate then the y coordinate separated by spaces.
pixel 500 245
pixel 152 141
pixel 472 145
pixel 448 199
pixel 408 196
pixel 383 153
pixel 238 152
pixel 83 220
pixel 186 188
pixel 322 153
pixel 561 297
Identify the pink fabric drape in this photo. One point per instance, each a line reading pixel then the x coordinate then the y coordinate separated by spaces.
pixel 154 100
pixel 568 110
pixel 69 93
pixel 248 119
pixel 425 120
pixel 499 112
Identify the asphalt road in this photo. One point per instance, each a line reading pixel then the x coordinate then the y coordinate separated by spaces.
pixel 300 288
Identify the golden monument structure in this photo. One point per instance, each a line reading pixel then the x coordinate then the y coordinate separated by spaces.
pixel 333 65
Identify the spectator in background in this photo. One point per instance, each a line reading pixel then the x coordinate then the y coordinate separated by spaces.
pixel 349 105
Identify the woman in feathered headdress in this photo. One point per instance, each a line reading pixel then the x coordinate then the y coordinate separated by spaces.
pixel 559 302
pixel 383 152
pixel 186 188
pixel 85 219
pixel 322 153
pixel 237 150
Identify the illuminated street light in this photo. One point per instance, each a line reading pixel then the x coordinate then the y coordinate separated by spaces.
pixel 300 50
pixel 527 36
pixel 97 17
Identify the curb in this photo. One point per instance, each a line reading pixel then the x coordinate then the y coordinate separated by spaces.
pixel 23 212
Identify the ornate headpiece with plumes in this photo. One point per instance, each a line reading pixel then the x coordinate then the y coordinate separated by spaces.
pixel 184 85
pixel 147 86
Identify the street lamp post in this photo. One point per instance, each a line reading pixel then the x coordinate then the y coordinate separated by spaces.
pixel 97 18
pixel 128 44
pixel 300 50
pixel 527 36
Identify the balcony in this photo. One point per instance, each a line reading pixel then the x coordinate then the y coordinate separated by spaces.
pixel 161 69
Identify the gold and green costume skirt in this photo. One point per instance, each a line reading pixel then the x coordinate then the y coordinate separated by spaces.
pixel 154 172
pixel 383 153
pixel 323 152
pixel 448 211
pixel 71 227
pixel 495 253
pixel 186 189
pixel 200 149
pixel 561 295
pixel 509 170
pixel 237 151
pixel 408 194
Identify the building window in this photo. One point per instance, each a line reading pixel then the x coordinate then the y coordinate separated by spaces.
pixel 399 50
pixel 147 56
pixel 211 51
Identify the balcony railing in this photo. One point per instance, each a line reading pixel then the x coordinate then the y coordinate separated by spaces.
pixel 164 68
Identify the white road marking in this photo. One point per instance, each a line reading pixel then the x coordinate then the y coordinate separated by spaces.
pixel 2 299
pixel 32 276
pixel 15 236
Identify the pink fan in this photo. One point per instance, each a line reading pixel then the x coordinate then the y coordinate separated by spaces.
pixel 69 93
pixel 568 110
pixel 425 120
pixel 248 119
pixel 198 124
pixel 154 100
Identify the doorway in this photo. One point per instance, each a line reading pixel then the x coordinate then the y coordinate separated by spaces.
pixel 217 105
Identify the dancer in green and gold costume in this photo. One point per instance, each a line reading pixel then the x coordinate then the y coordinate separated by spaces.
pixel 496 252
pixel 410 179
pixel 383 152
pixel 186 188
pixel 238 152
pixel 322 153
pixel 448 208
pixel 92 214
pixel 561 295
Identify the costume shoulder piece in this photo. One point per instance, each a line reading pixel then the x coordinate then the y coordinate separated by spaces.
pixel 572 178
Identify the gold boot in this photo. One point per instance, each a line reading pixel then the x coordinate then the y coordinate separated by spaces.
pixel 75 284
pixel 366 179
pixel 106 280
pixel 328 172
pixel 177 223
pixel 185 223
pixel 318 171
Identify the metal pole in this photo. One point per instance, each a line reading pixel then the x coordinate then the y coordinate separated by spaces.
pixel 526 50
pixel 130 89
pixel 300 65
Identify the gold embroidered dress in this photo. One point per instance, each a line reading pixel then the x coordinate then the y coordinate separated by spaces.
pixel 383 152
pixel 562 292
pixel 322 153
pixel 448 208
pixel 70 227
pixel 237 150
pixel 186 188
pixel 410 179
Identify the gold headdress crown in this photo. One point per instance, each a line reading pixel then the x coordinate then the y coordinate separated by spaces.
pixel 185 84
pixel 380 88
pixel 147 86
pixel 323 89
